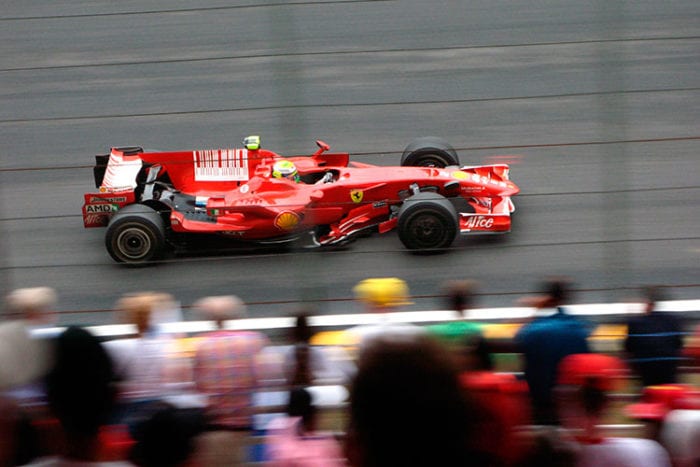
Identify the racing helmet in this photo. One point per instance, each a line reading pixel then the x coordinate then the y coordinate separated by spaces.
pixel 285 169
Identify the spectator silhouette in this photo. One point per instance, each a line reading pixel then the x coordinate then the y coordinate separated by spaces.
pixel 293 440
pixel 167 438
pixel 306 364
pixel 140 362
pixel 407 408
pixel 464 338
pixel 300 363
pixel 544 342
pixel 654 342
pixel 25 342
pixel 671 413
pixel 585 383
pixel 34 305
pixel 692 348
pixel 380 296
pixel 680 435
pixel 228 371
pixel 26 353
pixel 19 440
pixel 81 394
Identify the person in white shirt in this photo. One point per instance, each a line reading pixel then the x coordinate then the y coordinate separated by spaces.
pixel 583 387
pixel 680 435
pixel 25 348
pixel 672 415
pixel 144 363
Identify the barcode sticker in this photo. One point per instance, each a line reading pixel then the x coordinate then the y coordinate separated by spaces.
pixel 217 165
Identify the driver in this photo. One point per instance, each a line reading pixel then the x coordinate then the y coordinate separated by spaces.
pixel 285 169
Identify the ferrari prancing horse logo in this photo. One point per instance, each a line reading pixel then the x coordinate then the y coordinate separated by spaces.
pixel 356 196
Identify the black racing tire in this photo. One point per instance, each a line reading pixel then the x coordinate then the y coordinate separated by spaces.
pixel 136 235
pixel 429 151
pixel 427 221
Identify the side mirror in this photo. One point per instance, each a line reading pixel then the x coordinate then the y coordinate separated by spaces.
pixel 322 147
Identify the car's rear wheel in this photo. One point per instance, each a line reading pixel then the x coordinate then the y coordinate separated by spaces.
pixel 427 221
pixel 429 151
pixel 136 235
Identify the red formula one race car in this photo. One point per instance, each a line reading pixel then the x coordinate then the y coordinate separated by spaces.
pixel 151 202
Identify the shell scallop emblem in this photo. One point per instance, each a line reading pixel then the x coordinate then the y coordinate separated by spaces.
pixel 287 220
pixel 459 175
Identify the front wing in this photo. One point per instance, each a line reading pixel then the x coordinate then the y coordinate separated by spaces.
pixel 496 220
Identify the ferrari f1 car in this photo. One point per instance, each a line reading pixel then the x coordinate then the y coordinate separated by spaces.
pixel 151 201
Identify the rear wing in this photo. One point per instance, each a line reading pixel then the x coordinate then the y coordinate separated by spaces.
pixel 102 161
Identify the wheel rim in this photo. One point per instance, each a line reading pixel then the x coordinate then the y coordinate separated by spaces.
pixel 134 243
pixel 428 230
pixel 432 161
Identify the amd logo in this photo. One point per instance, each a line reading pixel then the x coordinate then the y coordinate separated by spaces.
pixel 109 208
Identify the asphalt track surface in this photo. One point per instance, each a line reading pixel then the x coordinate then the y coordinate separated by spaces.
pixel 596 105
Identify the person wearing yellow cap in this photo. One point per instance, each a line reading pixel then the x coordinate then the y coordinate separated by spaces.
pixel 382 292
pixel 383 295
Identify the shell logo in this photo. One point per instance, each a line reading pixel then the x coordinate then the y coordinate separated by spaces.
pixel 287 220
pixel 459 175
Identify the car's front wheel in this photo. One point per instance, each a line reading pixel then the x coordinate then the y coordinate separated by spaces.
pixel 427 221
pixel 136 235
pixel 429 151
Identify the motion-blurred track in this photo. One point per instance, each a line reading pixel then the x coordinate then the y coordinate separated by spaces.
pixel 594 104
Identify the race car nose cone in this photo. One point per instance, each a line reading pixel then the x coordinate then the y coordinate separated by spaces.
pixel 511 190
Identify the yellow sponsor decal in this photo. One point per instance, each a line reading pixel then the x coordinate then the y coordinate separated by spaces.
pixel 459 175
pixel 356 196
pixel 287 220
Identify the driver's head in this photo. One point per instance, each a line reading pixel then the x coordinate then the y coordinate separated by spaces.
pixel 285 169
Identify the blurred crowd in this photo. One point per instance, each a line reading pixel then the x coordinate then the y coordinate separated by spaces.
pixel 406 394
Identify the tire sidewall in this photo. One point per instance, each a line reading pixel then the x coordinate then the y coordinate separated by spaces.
pixel 419 158
pixel 143 222
pixel 429 204
pixel 429 147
